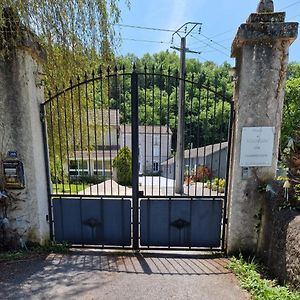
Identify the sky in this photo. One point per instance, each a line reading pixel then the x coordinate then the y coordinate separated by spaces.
pixel 220 20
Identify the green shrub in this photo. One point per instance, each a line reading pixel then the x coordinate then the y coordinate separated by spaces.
pixel 260 289
pixel 88 179
pixel 123 166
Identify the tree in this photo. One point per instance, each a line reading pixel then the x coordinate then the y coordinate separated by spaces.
pixel 291 109
pixel 123 165
pixel 205 125
pixel 77 34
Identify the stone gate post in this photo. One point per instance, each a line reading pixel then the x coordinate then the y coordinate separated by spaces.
pixel 261 52
pixel 21 93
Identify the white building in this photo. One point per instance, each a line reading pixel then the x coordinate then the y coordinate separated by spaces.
pixel 111 136
pixel 214 157
pixel 154 146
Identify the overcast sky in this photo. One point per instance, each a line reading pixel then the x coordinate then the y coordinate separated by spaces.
pixel 220 19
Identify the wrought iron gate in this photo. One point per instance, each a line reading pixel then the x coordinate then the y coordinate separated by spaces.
pixel 110 141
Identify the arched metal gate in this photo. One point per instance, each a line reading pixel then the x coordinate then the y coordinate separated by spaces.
pixel 111 139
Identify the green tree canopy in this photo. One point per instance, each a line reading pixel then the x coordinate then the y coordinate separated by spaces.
pixel 77 34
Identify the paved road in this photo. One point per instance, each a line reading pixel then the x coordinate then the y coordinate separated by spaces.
pixel 151 186
pixel 98 275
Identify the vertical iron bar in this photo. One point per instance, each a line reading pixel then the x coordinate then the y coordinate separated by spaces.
pixel 117 114
pixel 176 124
pixel 88 128
pixel 53 145
pixel 153 122
pixel 60 142
pixel 181 122
pixel 205 138
pixel 160 125
pixel 145 134
pixel 213 132
pixel 220 147
pixel 198 135
pixel 191 132
pixel 230 127
pixel 109 129
pixel 95 131
pixel 102 129
pixel 46 158
pixel 80 128
pixel 74 135
pixel 135 156
pixel 67 140
pixel 124 113
pixel 168 128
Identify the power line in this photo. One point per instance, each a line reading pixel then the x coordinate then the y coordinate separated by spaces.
pixel 146 41
pixel 209 39
pixel 146 28
pixel 210 46
pixel 168 30
pixel 290 5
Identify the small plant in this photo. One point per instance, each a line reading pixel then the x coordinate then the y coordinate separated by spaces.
pixel 203 174
pixel 261 289
pixel 217 184
pixel 123 165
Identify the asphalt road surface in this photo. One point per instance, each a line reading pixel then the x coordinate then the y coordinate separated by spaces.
pixel 111 275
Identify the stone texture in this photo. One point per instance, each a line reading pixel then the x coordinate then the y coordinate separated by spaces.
pixel 265 6
pixel 20 98
pixel 293 253
pixel 279 242
pixel 261 52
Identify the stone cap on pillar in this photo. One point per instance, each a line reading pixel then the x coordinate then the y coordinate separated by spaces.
pixel 16 35
pixel 265 26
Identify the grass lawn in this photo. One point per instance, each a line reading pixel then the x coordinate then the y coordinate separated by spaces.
pixel 260 288
pixel 60 188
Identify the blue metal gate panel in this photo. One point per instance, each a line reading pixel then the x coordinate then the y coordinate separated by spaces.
pixel 182 223
pixel 92 221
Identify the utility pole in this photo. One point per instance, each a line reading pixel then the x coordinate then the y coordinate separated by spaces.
pixel 179 158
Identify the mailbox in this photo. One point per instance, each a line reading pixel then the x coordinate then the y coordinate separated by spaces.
pixel 13 171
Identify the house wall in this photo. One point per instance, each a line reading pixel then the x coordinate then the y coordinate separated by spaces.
pixel 152 149
pixel 218 165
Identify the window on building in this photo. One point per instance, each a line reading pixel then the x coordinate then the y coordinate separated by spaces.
pixel 155 166
pixel 78 167
pixel 156 151
pixel 100 168
pixel 156 140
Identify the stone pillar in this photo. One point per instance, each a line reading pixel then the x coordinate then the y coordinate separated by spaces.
pixel 261 51
pixel 21 93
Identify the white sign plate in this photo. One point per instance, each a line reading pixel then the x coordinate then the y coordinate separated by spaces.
pixel 257 146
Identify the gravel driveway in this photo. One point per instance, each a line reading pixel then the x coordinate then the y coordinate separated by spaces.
pixel 111 275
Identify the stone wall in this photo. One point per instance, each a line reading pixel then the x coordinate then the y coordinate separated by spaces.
pixel 280 242
pixel 21 94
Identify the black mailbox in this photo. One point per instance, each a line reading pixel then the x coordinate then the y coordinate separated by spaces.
pixel 13 172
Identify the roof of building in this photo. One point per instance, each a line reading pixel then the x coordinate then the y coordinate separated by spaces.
pixel 148 129
pixel 200 152
pixel 109 116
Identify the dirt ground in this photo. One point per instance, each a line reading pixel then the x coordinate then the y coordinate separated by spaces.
pixel 113 275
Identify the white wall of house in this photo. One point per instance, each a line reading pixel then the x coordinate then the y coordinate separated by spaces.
pixel 153 150
pixel 217 163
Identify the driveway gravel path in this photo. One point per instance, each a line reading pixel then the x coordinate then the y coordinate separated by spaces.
pixel 114 275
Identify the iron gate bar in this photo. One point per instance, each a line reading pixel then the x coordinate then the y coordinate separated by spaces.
pixel 135 156
pixel 47 164
pixel 229 149
pixel 220 138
